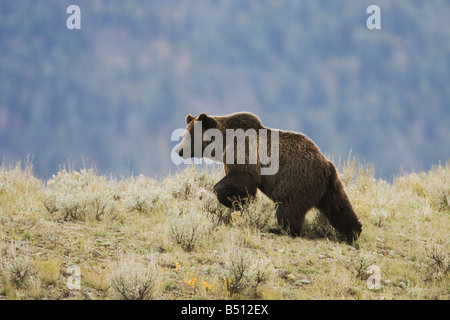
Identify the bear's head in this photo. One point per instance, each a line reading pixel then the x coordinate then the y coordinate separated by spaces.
pixel 196 127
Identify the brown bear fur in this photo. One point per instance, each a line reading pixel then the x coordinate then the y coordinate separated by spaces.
pixel 305 178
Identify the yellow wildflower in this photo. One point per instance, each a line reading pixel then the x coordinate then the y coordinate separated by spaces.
pixel 191 282
pixel 207 285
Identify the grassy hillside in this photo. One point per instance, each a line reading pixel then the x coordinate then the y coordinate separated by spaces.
pixel 137 238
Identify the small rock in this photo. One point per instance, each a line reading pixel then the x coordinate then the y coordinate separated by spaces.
pixel 305 281
pixel 88 294
pixel 98 252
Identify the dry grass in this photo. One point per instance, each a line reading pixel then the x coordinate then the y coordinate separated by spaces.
pixel 138 238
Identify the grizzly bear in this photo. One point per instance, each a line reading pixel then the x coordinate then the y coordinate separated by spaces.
pixel 303 178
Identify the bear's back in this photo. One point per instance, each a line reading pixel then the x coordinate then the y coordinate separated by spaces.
pixel 240 120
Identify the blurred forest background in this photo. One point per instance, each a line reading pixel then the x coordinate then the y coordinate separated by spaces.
pixel 111 94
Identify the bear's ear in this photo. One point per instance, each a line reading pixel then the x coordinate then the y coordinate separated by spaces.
pixel 189 118
pixel 207 122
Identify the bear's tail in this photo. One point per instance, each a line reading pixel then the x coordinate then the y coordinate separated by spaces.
pixel 336 206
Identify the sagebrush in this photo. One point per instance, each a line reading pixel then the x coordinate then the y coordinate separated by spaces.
pixel 139 238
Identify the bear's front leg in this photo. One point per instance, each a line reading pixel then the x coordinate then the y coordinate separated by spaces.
pixel 237 186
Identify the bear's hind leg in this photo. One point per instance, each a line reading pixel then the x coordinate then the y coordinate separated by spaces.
pixel 336 206
pixel 342 218
pixel 290 218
